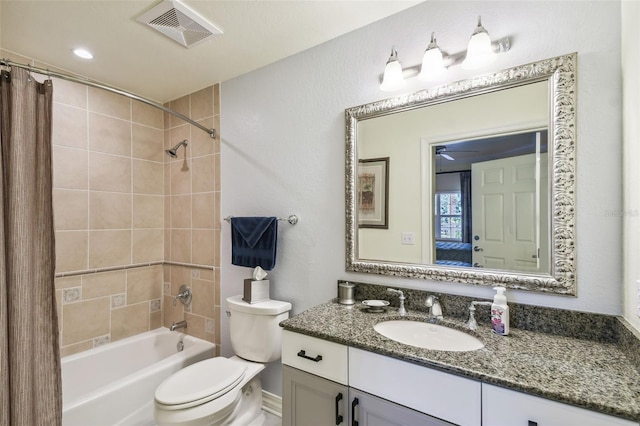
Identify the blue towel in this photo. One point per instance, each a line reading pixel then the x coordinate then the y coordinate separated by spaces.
pixel 253 241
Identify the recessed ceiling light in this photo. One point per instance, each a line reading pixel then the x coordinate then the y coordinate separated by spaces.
pixel 83 53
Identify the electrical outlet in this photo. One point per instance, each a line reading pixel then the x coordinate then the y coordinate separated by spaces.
pixel 408 238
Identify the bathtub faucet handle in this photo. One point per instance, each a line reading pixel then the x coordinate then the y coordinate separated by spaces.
pixel 184 295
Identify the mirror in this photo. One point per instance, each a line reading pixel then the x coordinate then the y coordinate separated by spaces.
pixel 469 182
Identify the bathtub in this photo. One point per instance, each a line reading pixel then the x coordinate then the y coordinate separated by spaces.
pixel 114 384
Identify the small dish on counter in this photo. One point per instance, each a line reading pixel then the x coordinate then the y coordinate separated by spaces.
pixel 375 306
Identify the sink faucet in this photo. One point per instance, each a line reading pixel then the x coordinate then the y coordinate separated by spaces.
pixel 435 310
pixel 401 310
pixel 472 323
pixel 177 325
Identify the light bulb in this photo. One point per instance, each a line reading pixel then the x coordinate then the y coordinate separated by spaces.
pixel 432 61
pixel 479 52
pixel 392 78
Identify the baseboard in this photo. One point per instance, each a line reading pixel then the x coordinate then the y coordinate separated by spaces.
pixel 271 403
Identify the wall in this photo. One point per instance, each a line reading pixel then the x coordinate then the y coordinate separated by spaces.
pixel 283 144
pixel 191 209
pixel 631 150
pixel 128 218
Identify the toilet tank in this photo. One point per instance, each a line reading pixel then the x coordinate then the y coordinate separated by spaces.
pixel 254 328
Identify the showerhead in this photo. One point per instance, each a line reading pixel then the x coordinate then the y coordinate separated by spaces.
pixel 173 152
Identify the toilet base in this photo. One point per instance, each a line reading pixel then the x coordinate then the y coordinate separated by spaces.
pixel 244 405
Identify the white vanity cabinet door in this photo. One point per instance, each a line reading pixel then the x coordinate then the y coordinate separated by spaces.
pixel 316 356
pixel 309 400
pixel 504 407
pixel 445 396
pixel 369 410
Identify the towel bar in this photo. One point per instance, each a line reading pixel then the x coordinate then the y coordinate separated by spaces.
pixel 292 219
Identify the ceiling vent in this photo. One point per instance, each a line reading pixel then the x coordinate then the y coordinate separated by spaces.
pixel 178 22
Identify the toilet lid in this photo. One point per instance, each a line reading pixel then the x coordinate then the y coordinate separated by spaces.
pixel 200 382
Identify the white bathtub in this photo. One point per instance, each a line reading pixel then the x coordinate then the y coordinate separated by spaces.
pixel 115 383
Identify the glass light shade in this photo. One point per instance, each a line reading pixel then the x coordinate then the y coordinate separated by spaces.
pixel 392 78
pixel 479 52
pixel 432 62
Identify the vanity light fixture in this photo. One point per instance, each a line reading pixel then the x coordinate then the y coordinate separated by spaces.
pixel 479 51
pixel 432 61
pixel 392 78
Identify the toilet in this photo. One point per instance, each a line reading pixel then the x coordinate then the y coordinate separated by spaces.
pixel 227 391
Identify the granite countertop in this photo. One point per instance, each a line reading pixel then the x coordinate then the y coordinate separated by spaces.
pixel 584 373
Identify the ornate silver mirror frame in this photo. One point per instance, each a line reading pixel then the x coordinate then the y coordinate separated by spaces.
pixel 560 72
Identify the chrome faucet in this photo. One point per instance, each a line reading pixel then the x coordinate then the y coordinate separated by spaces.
pixel 472 323
pixel 177 325
pixel 401 310
pixel 435 310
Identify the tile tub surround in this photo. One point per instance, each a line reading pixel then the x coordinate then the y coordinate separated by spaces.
pixel 585 373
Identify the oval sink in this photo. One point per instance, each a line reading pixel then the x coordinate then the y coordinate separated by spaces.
pixel 428 336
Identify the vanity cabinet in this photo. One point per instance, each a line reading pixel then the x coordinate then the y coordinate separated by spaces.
pixel 317 388
pixel 502 406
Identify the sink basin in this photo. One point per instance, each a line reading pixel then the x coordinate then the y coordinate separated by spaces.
pixel 428 336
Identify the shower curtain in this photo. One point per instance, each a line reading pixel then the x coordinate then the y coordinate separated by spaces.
pixel 30 382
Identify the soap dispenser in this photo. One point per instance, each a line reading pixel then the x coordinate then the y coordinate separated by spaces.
pixel 500 312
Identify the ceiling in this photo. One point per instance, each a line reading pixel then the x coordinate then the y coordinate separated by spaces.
pixel 136 58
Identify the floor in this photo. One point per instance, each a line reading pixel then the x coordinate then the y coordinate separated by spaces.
pixel 272 420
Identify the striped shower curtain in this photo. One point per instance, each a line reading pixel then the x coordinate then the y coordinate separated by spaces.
pixel 30 383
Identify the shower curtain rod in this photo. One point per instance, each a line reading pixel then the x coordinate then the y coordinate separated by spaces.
pixel 9 63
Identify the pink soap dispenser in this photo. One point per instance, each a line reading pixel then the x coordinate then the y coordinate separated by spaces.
pixel 500 312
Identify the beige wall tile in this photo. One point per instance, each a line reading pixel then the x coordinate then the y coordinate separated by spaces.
pixel 202 103
pixel 195 325
pixel 217 286
pixel 203 210
pixel 216 172
pixel 148 245
pixel 202 244
pixel 203 299
pixel 155 320
pixel 147 115
pixel 216 247
pixel 103 284
pixel 148 143
pixel 76 348
pixel 181 245
pixel 179 275
pixel 129 321
pixel 201 142
pixel 148 211
pixel 180 179
pixel 71 250
pixel 148 177
pixel 70 170
pixel 216 99
pixel 167 244
pixel 180 105
pixel 110 104
pixel 109 248
pixel 109 135
pixel 171 313
pixel 144 284
pixel 203 174
pixel 181 211
pixel 69 93
pixel 70 208
pixel 216 141
pixel 109 210
pixel 109 173
pixel 69 126
pixel 85 320
pixel 217 221
pixel 68 282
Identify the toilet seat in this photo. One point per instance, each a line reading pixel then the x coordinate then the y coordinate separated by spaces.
pixel 200 383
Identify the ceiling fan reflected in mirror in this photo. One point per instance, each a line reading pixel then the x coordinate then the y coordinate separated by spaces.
pixel 447 154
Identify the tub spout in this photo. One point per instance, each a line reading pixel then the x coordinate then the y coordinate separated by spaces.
pixel 177 325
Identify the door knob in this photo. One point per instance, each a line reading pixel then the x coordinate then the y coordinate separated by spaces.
pixel 477 265
pixel 476 248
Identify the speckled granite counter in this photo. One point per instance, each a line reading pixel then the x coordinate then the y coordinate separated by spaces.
pixel 584 373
